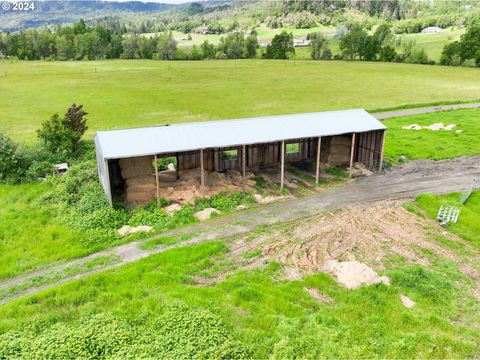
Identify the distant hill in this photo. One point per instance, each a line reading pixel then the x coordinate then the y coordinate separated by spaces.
pixel 57 12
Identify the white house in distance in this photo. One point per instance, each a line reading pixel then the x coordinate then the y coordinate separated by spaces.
pixel 300 42
pixel 432 30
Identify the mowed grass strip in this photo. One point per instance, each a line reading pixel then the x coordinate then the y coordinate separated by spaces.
pixel 434 145
pixel 271 317
pixel 133 93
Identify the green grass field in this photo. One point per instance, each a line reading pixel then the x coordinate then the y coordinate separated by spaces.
pixel 122 94
pixel 433 43
pixel 153 308
pixel 435 145
pixel 31 235
pixel 468 226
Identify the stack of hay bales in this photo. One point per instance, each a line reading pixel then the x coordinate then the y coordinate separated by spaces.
pixel 340 151
pixel 140 186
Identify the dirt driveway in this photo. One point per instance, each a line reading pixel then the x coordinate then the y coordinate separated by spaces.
pixel 403 182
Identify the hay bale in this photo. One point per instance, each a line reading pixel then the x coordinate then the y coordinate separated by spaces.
pixel 167 176
pixel 136 166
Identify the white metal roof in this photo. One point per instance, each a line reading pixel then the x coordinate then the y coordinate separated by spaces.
pixel 212 134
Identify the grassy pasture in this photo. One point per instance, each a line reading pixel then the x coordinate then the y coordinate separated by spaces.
pixel 129 93
pixel 267 316
pixel 30 235
pixel 433 43
pixel 468 226
pixel 435 145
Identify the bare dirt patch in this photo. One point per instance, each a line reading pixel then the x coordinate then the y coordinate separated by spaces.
pixel 352 244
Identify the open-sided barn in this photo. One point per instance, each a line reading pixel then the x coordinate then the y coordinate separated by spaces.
pixel 339 138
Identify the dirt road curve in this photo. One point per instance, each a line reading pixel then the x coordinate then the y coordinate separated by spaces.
pixel 402 182
pixel 426 110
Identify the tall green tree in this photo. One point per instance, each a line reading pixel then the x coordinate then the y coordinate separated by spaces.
pixel 233 45
pixel 64 134
pixel 352 45
pixel 166 46
pixel 318 44
pixel 251 45
pixel 281 46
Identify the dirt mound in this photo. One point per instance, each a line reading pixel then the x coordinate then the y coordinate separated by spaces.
pixel 360 234
pixel 352 274
pixel 188 186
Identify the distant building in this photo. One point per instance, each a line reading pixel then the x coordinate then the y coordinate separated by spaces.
pixel 432 30
pixel 300 42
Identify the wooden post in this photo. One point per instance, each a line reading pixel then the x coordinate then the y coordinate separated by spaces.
pixel 317 175
pixel 282 166
pixel 202 178
pixel 381 151
pixel 352 151
pixel 157 180
pixel 244 161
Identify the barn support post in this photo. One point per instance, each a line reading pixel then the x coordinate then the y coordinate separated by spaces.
pixel 202 177
pixel 352 151
pixel 244 161
pixel 282 166
pixel 317 174
pixel 380 165
pixel 157 180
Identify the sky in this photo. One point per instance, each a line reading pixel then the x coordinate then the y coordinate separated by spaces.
pixel 162 1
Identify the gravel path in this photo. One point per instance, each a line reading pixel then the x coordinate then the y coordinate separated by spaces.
pixel 403 182
pixel 426 110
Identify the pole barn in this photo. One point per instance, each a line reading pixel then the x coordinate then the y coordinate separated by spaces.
pixel 339 138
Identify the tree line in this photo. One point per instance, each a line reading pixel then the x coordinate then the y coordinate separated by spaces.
pixel 79 42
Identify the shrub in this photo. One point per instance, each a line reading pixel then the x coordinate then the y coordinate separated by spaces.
pixel 10 164
pixel 39 169
pixel 177 332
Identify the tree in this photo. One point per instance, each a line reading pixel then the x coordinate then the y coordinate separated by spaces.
pixel 208 50
pixel 129 45
pixel 166 46
pixel 80 27
pixel 387 53
pixel 281 46
pixel 233 45
pixel 251 45
pixel 64 134
pixel 451 54
pixel 352 45
pixel 318 43
pixel 64 47
pixel 470 44
pixel 384 35
pixel 77 123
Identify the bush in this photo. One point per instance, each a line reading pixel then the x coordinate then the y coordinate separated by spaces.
pixel 11 169
pixel 176 333
pixel 39 169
